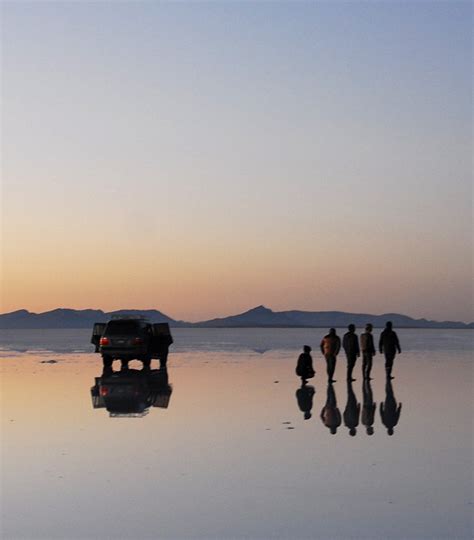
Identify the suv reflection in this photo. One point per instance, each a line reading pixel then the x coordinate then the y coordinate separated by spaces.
pixel 131 392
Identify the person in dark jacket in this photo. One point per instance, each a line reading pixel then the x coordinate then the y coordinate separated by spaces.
pixel 350 344
pixel 390 410
pixel 304 367
pixel 352 411
pixel 368 407
pixel 368 350
pixel 389 346
pixel 330 414
pixel 330 347
pixel 304 397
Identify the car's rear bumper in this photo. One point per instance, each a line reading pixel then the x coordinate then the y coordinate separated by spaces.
pixel 127 353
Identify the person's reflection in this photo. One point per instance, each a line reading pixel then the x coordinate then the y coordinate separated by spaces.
pixel 330 414
pixel 131 392
pixel 368 407
pixel 352 410
pixel 304 397
pixel 390 410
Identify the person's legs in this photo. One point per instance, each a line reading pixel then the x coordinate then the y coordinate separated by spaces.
pixel 123 364
pixel 107 361
pixel 351 360
pixel 368 367
pixel 164 359
pixel 389 364
pixel 331 365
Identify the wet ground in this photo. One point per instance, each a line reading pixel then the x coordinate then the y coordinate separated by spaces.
pixel 228 444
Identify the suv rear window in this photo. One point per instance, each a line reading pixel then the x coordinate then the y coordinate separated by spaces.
pixel 115 328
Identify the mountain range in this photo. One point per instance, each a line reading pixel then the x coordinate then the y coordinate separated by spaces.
pixel 256 317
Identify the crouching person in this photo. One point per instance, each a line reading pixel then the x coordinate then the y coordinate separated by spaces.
pixel 304 367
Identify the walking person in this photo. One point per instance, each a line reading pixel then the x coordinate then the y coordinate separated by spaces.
pixel 368 350
pixel 389 345
pixel 350 344
pixel 330 347
pixel 304 367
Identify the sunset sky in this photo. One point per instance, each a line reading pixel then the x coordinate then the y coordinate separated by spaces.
pixel 204 158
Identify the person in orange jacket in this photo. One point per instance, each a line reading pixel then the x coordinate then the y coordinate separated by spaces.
pixel 330 347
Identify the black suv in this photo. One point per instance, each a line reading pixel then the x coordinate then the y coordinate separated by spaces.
pixel 132 338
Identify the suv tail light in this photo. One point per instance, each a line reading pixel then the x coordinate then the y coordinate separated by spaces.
pixel 104 341
pixel 137 341
pixel 104 391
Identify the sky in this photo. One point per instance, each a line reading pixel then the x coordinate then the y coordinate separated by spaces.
pixel 203 158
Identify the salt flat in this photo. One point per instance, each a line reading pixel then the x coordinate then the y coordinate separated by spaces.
pixel 221 460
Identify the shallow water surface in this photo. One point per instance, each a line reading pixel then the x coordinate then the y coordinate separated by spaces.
pixel 230 445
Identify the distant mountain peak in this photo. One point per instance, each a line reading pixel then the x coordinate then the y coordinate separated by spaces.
pixel 260 309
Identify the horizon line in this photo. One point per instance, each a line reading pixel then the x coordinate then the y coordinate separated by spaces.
pixel 387 313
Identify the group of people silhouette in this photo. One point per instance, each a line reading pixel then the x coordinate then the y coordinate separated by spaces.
pixel 330 345
pixel 389 346
pixel 331 415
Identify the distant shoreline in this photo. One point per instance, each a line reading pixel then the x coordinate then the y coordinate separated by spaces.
pixel 258 317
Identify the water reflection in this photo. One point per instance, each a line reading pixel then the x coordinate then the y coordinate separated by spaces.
pixel 390 410
pixel 330 414
pixel 304 397
pixel 131 392
pixel 352 410
pixel 368 407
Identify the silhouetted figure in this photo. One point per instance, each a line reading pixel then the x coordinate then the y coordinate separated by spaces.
pixel 304 367
pixel 390 410
pixel 330 346
pixel 330 414
pixel 368 350
pixel 304 397
pixel 350 344
pixel 352 410
pixel 389 345
pixel 124 365
pixel 107 370
pixel 368 407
